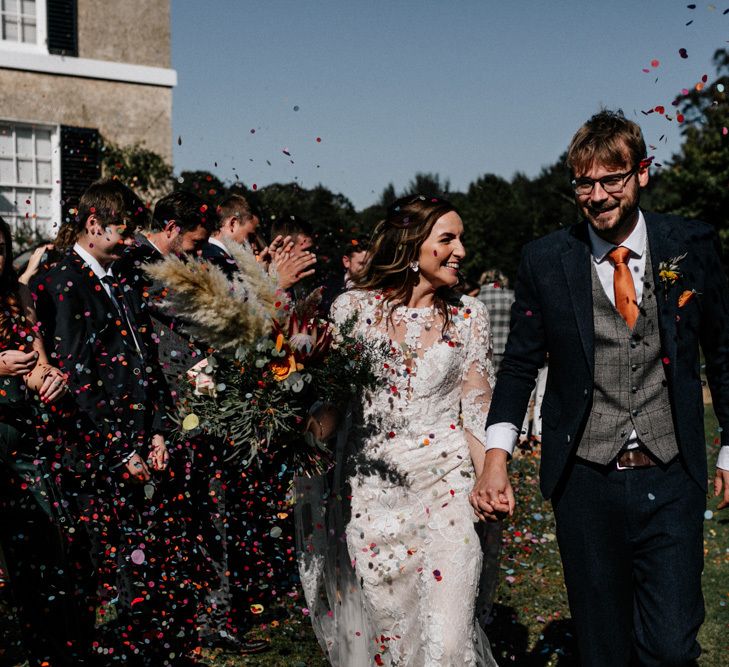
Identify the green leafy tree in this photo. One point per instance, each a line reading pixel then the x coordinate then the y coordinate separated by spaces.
pixel 696 182
pixel 143 170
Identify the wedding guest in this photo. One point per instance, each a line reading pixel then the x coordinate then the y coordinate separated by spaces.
pixel 621 302
pixel 238 223
pixel 298 251
pixel 113 443
pixel 498 299
pixel 181 225
pixel 51 625
pixel 354 263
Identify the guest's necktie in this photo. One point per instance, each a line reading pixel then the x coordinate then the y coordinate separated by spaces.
pixel 625 299
pixel 117 298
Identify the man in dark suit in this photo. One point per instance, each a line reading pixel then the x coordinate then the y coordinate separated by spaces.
pixel 181 225
pixel 620 302
pixel 238 223
pixel 114 434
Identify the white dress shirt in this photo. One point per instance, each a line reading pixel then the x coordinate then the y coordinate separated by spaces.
pixel 218 243
pixel 504 435
pixel 94 265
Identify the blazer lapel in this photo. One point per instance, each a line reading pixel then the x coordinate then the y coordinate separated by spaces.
pixel 576 265
pixel 664 247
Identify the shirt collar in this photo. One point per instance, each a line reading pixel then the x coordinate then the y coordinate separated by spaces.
pixel 99 271
pixel 635 242
pixel 218 243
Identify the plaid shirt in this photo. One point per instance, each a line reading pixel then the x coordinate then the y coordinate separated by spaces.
pixel 498 302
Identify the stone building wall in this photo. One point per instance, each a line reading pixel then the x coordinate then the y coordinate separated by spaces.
pixel 127 31
pixel 124 113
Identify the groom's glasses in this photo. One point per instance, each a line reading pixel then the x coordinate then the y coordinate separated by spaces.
pixel 611 184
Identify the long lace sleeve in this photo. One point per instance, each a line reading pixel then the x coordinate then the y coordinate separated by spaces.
pixel 478 373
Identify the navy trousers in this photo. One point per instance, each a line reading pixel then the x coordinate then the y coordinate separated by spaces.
pixel 631 543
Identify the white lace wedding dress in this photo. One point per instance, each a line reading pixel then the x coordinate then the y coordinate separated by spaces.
pixel 403 591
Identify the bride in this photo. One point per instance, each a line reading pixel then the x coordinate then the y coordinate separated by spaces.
pixel 409 456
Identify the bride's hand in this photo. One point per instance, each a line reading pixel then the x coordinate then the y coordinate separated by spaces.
pixel 492 495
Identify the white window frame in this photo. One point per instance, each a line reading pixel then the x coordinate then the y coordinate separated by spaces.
pixel 49 229
pixel 41 34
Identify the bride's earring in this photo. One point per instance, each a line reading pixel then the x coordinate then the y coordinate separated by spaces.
pixel 414 267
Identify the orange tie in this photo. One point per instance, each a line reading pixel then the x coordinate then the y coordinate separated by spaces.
pixel 625 299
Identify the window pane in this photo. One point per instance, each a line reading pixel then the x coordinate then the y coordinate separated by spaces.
pixel 10 6
pixel 6 140
pixel 43 173
pixel 29 32
pixel 23 203
pixel 25 172
pixel 42 143
pixel 29 7
pixel 10 30
pixel 43 204
pixel 7 199
pixel 25 141
pixel 6 171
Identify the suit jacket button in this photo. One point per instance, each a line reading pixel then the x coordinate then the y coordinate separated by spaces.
pixel 634 367
pixel 634 390
pixel 636 413
pixel 586 392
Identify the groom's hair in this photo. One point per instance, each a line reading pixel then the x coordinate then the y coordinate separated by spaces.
pixel 608 139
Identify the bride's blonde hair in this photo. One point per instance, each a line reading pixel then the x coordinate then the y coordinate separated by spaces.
pixel 395 249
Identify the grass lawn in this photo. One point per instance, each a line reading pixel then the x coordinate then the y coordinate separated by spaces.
pixel 531 625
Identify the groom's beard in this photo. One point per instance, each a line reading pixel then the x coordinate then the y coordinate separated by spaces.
pixel 622 216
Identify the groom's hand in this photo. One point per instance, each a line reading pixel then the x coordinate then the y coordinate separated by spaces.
pixel 721 482
pixel 492 494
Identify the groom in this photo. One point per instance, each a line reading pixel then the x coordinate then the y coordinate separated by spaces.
pixel 620 302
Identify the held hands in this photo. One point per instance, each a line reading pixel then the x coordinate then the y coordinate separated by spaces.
pixel 17 362
pixel 158 455
pixel 139 470
pixel 492 495
pixel 721 482
pixel 53 385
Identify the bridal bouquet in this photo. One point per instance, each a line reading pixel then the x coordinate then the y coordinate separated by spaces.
pixel 273 360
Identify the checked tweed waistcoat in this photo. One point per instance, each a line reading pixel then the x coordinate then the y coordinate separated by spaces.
pixel 630 390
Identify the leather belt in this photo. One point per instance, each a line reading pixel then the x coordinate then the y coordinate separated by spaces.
pixel 634 458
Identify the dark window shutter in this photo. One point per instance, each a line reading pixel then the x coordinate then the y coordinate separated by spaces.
pixel 62 28
pixel 80 164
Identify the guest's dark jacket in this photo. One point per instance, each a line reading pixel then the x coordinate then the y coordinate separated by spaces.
pixel 118 391
pixel 178 352
pixel 553 314
pixel 217 256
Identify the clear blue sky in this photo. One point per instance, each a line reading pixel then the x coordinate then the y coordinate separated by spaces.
pixel 393 87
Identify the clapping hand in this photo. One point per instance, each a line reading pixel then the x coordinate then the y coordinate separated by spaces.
pixel 290 267
pixel 33 263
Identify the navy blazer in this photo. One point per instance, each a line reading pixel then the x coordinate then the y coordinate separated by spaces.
pixel 552 315
pixel 214 254
pixel 120 396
